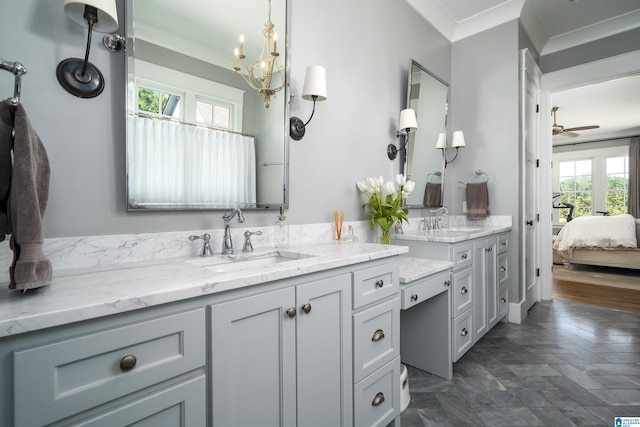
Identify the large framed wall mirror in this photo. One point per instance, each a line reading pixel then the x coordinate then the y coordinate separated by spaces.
pixel 199 137
pixel 422 162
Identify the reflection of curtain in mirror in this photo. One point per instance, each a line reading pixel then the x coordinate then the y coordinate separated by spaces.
pixel 185 164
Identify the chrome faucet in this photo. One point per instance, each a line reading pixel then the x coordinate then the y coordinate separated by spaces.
pixel 432 222
pixel 227 243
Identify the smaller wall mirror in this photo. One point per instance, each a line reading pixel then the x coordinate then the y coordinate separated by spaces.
pixel 422 162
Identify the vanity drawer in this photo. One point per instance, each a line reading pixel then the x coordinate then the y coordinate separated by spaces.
pixel 462 288
pixel 376 399
pixel 503 302
pixel 461 255
pixel 375 283
pixel 425 288
pixel 503 269
pixel 503 243
pixel 376 337
pixel 70 376
pixel 462 330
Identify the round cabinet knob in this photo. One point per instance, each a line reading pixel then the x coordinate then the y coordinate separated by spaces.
pixel 378 400
pixel 414 297
pixel 490 249
pixel 128 362
pixel 464 332
pixel 447 283
pixel 291 312
pixel 379 283
pixel 464 290
pixel 306 308
pixel 503 269
pixel 504 243
pixel 464 256
pixel 377 335
pixel 503 300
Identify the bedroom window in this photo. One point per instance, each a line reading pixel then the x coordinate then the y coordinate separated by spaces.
pixel 617 189
pixel 575 179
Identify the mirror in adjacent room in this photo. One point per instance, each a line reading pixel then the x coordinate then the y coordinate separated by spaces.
pixel 428 95
pixel 199 136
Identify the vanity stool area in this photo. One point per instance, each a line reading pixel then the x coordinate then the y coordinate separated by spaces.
pixel 311 341
pixel 478 283
pixel 425 334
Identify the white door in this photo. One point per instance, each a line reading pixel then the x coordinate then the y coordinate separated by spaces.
pixel 531 178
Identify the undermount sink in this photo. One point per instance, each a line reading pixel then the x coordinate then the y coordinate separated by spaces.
pixel 247 261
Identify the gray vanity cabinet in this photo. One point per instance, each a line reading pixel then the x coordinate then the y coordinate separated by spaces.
pixel 479 284
pixel 283 358
pixel 116 371
pixel 485 304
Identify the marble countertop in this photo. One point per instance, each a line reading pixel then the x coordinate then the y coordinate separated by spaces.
pixel 451 234
pixel 412 268
pixel 85 293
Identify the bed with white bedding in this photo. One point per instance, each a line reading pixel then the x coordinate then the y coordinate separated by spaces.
pixel 610 241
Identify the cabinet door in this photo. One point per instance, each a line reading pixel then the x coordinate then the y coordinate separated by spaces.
pixel 324 353
pixel 253 368
pixel 492 282
pixel 480 256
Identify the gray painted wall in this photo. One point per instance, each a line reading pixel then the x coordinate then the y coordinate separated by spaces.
pixel 484 104
pixel 364 45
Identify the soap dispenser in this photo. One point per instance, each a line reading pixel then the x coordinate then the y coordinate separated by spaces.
pixel 281 231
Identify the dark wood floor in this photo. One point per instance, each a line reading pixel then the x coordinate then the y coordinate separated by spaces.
pixel 603 296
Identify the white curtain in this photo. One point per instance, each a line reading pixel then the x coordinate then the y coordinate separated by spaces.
pixel 173 163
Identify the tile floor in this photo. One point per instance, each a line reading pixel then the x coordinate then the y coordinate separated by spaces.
pixel 568 364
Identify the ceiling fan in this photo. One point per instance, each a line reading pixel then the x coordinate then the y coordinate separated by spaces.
pixel 560 130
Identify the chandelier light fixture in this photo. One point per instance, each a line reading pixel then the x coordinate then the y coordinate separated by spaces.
pixel 259 75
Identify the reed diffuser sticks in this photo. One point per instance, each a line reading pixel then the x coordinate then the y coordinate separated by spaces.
pixel 338 219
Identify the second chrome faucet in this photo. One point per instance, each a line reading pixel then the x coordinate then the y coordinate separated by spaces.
pixel 227 243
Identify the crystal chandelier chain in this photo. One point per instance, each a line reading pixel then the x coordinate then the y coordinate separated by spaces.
pixel 259 75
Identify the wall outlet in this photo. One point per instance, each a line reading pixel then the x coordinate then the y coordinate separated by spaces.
pixel 464 206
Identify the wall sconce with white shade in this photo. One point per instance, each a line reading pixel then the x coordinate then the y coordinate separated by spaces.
pixel 457 141
pixel 406 125
pixel 78 77
pixel 314 89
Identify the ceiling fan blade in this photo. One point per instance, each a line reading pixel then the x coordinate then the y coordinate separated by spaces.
pixel 583 128
pixel 569 134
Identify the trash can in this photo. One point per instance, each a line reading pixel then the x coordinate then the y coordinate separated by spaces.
pixel 405 397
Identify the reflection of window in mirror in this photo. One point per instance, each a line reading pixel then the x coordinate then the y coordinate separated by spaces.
pixel 215 113
pixel 197 101
pixel 156 101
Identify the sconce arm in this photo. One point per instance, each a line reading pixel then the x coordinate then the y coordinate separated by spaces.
pixel 444 156
pixel 297 127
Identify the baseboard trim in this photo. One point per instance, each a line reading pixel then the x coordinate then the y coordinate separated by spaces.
pixel 517 312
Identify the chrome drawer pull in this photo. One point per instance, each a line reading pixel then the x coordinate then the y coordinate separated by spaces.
pixel 464 290
pixel 464 332
pixel 377 335
pixel 503 300
pixel 378 400
pixel 489 249
pixel 291 312
pixel 306 308
pixel 447 283
pixel 503 269
pixel 379 283
pixel 414 297
pixel 464 256
pixel 504 243
pixel 128 362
